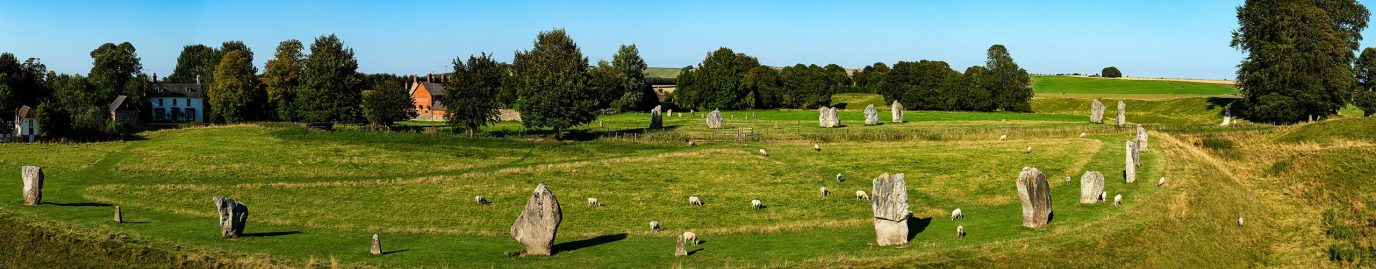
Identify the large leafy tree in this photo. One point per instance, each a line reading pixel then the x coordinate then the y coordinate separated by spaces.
pixel 472 94
pixel 21 84
pixel 552 84
pixel 630 73
pixel 1009 84
pixel 605 83
pixel 1364 96
pixel 920 85
pixel 283 78
pixel 716 82
pixel 972 95
pixel 234 95
pixel 1111 72
pixel 116 70
pixel 1299 56
pixel 807 86
pixel 387 101
pixel 766 90
pixel 195 61
pixel 329 83
pixel 80 107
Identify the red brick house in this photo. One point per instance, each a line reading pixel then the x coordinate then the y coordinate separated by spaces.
pixel 427 95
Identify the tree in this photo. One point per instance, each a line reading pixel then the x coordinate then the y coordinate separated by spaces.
pixel 716 82
pixel 472 94
pixel 636 94
pixel 25 84
pixel 81 103
pixel 195 62
pixel 386 102
pixel 766 90
pixel 283 78
pixel 1364 96
pixel 552 84
pixel 837 75
pixel 1299 57
pixel 807 86
pixel 605 83
pixel 116 70
pixel 329 83
pixel 1111 72
pixel 972 94
pixel 1009 84
pixel 233 95
pixel 923 85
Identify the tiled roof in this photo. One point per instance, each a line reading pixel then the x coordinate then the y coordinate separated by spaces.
pixel 177 90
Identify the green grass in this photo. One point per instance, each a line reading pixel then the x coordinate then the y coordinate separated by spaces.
pixel 1101 86
pixel 858 101
pixel 662 72
pixel 1326 132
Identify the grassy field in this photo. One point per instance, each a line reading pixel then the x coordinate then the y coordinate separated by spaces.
pixel 662 72
pixel 1096 87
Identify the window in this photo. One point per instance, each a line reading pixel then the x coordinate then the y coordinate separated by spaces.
pixel 159 101
pixel 188 101
pixel 174 102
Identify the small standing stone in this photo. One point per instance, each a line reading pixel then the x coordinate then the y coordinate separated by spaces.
pixel 714 119
pixel 1035 195
pixel 871 115
pixel 1142 144
pixel 233 217
pixel 1122 114
pixel 33 185
pixel 1091 186
pixel 656 119
pixel 377 246
pixel 1130 163
pixel 119 216
pixel 1096 112
pixel 896 112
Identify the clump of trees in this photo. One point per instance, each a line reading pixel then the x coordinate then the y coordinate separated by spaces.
pixel 472 96
pixel 932 85
pixel 730 80
pixel 1300 54
pixel 1364 96
pixel 1111 72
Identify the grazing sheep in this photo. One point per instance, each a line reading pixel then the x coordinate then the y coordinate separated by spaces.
pixel 592 201
pixel 654 225
pixel 692 144
pixel 1003 138
pixel 838 178
pixel 694 200
pixel 1103 196
pixel 480 199
pixel 691 238
pixel 1082 135
pixel 816 147
pixel 956 214
pixel 860 195
pixel 756 204
pixel 1239 221
pixel 960 231
pixel 1029 150
pixel 1067 179
pixel 1117 200
pixel 1161 182
pixel 825 192
pixel 764 153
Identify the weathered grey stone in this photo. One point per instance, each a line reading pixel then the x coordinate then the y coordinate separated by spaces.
pixel 680 250
pixel 1035 194
pixel 714 119
pixel 119 215
pixel 835 118
pixel 233 217
pixel 1228 114
pixel 896 111
pixel 33 185
pixel 377 246
pixel 538 223
pixel 823 119
pixel 669 113
pixel 1137 153
pixel 1130 162
pixel 1122 114
pixel 656 119
pixel 871 115
pixel 1096 111
pixel 1091 185
pixel 890 206
pixel 1142 144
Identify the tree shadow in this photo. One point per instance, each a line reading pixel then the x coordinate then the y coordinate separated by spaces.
pixel 77 204
pixel 590 242
pixel 271 234
pixel 1220 102
pixel 916 226
pixel 384 253
pixel 841 105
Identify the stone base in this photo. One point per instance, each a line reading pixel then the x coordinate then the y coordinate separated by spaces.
pixel 890 232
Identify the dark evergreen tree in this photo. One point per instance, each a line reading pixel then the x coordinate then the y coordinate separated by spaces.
pixel 1299 57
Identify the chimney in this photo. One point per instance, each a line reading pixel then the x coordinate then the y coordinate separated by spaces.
pixel 429 77
pixel 155 78
pixel 198 79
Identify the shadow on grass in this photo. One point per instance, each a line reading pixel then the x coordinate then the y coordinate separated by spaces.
pixel 77 204
pixel 695 251
pixel 384 253
pixel 271 234
pixel 590 242
pixel 917 226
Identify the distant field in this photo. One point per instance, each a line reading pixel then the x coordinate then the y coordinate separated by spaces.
pixel 1102 86
pixel 662 72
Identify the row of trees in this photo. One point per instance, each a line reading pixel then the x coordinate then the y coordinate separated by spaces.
pixel 74 105
pixel 730 80
pixel 932 85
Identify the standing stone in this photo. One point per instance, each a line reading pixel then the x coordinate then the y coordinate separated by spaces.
pixel 1137 153
pixel 1091 186
pixel 680 250
pixel 714 119
pixel 119 216
pixel 896 111
pixel 1096 111
pixel 233 216
pixel 1035 194
pixel 377 246
pixel 535 228
pixel 669 113
pixel 656 120
pixel 1122 114
pixel 33 185
pixel 824 116
pixel 890 205
pixel 1228 114
pixel 1142 144
pixel 1130 163
pixel 835 118
pixel 871 115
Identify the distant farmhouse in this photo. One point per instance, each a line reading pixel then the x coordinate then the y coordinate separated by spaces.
pixel 123 112
pixel 428 95
pixel 177 102
pixel 25 125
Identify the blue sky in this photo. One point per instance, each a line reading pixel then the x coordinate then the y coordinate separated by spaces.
pixel 1168 38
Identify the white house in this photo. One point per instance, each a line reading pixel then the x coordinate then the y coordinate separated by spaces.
pixel 177 102
pixel 25 124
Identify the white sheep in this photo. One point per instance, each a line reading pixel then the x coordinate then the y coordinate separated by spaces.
pixel 861 195
pixel 694 200
pixel 756 204
pixel 1161 182
pixel 592 201
pixel 690 237
pixel 1029 150
pixel 1117 200
pixel 1103 196
pixel 825 192
pixel 764 153
pixel 960 231
pixel 1067 179
pixel 1003 138
pixel 1082 135
pixel 654 225
pixel 692 144
pixel 838 178
pixel 816 147
pixel 1239 221
pixel 480 199
pixel 956 214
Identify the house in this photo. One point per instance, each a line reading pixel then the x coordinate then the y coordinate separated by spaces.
pixel 664 92
pixel 25 124
pixel 177 102
pixel 427 95
pixel 123 112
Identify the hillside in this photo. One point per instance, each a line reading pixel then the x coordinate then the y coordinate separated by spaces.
pixel 1105 86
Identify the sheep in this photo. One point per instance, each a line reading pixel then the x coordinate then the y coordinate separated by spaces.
pixel 592 201
pixel 654 225
pixel 691 238
pixel 1239 221
pixel 1003 138
pixel 816 147
pixel 756 204
pixel 764 153
pixel 956 214
pixel 480 199
pixel 825 192
pixel 860 195
pixel 1161 182
pixel 1103 196
pixel 692 144
pixel 1082 135
pixel 694 200
pixel 1117 200
pixel 1067 179
pixel 838 178
pixel 1029 150
pixel 960 231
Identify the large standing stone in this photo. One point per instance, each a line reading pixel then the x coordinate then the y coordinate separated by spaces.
pixel 1142 144
pixel 714 119
pixel 1035 194
pixel 1091 185
pixel 1130 162
pixel 1122 114
pixel 233 216
pixel 835 118
pixel 535 228
pixel 33 185
pixel 1096 111
pixel 890 205
pixel 871 115
pixel 656 119
pixel 822 118
pixel 896 111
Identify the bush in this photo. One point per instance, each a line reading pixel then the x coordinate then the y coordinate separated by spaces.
pixel 1111 72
